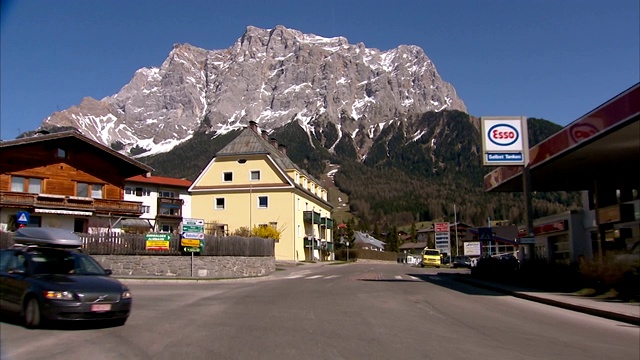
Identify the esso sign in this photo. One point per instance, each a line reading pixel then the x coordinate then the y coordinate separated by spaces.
pixel 503 134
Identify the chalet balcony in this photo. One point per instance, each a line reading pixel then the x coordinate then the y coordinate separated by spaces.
pixel 311 217
pixel 169 208
pixel 10 199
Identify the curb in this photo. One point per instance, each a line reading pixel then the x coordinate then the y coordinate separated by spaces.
pixel 629 319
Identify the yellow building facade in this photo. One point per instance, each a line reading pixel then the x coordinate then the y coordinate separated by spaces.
pixel 251 182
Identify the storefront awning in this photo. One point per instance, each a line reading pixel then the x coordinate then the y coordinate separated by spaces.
pixel 139 223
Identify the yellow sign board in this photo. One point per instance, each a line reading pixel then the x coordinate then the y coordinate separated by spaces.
pixel 190 242
pixel 157 245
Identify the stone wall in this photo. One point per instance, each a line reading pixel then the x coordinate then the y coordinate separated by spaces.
pixel 187 266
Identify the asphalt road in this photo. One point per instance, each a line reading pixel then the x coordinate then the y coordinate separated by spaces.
pixel 355 311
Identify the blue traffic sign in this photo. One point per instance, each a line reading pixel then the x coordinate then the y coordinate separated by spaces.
pixel 22 217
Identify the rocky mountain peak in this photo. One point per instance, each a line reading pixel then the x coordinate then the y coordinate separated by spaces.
pixel 271 76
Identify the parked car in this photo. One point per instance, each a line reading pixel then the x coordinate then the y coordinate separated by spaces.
pixel 46 277
pixel 431 257
pixel 462 261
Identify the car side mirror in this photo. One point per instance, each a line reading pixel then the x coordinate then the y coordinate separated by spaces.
pixel 108 272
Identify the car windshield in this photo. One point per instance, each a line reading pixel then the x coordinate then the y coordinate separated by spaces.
pixel 432 252
pixel 64 262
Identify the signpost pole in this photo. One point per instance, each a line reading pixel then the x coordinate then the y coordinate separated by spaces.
pixel 455 221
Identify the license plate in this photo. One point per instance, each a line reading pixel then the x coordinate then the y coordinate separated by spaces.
pixel 100 307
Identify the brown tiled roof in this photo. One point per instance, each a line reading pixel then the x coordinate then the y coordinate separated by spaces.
pixel 413 245
pixel 74 135
pixel 160 180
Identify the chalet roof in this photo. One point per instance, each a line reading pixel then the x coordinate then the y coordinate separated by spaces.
pixel 160 180
pixel 364 238
pixel 249 142
pixel 507 234
pixel 74 136
pixel 413 245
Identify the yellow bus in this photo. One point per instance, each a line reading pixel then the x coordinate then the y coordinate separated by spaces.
pixel 431 257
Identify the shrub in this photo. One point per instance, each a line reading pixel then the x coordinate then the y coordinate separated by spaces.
pixel 267 232
pixel 623 277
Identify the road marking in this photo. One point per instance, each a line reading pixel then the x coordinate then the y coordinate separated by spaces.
pixel 399 277
pixel 314 277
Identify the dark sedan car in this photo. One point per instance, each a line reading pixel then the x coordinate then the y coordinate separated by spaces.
pixel 462 261
pixel 50 279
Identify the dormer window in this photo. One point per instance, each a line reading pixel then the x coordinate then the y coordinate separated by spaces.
pixel 61 153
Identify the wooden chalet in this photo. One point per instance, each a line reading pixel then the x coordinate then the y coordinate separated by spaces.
pixel 64 180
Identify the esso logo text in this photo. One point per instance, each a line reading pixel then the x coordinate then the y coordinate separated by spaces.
pixel 503 134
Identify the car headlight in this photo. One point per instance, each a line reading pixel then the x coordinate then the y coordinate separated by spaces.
pixel 126 294
pixel 59 295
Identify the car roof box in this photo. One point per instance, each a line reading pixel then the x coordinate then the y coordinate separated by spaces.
pixel 43 236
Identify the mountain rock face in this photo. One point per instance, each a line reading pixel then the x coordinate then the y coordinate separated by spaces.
pixel 271 76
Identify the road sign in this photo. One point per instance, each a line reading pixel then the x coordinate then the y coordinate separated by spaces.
pixel 22 217
pixel 192 228
pixel 190 242
pixel 484 233
pixel 157 236
pixel 198 222
pixel 193 235
pixel 191 249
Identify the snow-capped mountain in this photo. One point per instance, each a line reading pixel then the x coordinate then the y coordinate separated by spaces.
pixel 271 76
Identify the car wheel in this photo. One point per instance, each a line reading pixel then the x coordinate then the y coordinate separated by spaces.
pixel 32 314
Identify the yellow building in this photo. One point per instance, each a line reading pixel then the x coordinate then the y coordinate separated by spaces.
pixel 251 182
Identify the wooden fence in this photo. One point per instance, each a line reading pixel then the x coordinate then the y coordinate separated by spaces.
pixel 135 244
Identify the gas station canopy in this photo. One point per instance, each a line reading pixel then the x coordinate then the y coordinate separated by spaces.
pixel 601 149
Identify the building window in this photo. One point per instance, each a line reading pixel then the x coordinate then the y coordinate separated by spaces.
pixel 227 176
pixel 29 185
pixel 61 153
pixel 143 192
pixel 84 189
pixel 263 202
pixel 165 210
pixel 129 190
pixel 96 191
pixel 166 194
pixel 255 175
pixel 146 209
pixel 165 228
pixel 35 185
pixel 219 204
pixel 17 183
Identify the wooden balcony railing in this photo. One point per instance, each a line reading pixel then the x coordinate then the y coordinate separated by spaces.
pixel 51 201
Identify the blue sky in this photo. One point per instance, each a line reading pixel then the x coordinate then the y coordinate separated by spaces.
pixel 549 59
